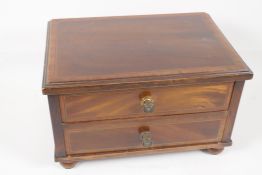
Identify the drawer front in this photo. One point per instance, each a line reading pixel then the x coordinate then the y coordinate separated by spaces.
pixel 134 103
pixel 144 133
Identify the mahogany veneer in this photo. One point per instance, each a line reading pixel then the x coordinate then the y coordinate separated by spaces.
pixel 136 85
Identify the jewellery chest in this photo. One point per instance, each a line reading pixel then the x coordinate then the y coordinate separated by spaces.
pixel 134 85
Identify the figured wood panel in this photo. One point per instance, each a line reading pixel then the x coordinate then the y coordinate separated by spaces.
pixel 125 104
pixel 89 49
pixel 124 135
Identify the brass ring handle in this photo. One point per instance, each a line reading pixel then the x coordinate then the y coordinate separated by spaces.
pixel 148 104
pixel 146 138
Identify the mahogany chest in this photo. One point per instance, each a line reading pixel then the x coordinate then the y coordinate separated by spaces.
pixel 133 85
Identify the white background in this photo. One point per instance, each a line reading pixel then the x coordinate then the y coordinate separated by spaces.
pixel 26 140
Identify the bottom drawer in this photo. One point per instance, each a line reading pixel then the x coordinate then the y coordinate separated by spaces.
pixel 144 133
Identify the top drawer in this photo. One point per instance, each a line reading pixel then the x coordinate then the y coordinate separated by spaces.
pixel 145 102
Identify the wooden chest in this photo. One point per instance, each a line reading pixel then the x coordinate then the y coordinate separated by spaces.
pixel 135 85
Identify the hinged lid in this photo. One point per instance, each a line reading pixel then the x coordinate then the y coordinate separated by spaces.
pixel 128 51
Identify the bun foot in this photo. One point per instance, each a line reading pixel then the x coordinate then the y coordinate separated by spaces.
pixel 213 151
pixel 68 165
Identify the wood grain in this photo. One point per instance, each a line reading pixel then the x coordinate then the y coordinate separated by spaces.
pixel 110 50
pixel 124 135
pixel 139 152
pixel 97 70
pixel 238 87
pixel 58 131
pixel 125 104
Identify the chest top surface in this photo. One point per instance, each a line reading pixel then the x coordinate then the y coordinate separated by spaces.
pixel 101 49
